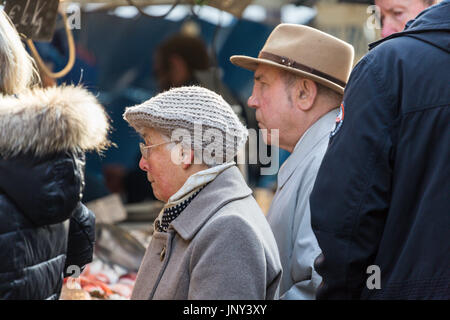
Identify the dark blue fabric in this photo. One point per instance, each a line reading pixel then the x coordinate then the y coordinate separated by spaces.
pixel 36 197
pixel 381 196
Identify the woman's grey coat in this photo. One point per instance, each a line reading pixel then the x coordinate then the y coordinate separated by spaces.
pixel 220 247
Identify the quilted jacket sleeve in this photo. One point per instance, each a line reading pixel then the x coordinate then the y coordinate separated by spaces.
pixel 80 247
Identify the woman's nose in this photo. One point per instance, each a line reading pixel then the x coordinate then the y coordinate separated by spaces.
pixel 143 164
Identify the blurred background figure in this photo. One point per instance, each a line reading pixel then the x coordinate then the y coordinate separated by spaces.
pixel 396 13
pixel 46 231
pixel 178 59
pixel 183 60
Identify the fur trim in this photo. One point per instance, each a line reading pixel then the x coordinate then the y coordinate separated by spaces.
pixel 56 119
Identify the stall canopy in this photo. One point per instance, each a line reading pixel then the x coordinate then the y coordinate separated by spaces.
pixel 235 7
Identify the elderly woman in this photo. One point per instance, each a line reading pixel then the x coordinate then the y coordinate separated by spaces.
pixel 211 240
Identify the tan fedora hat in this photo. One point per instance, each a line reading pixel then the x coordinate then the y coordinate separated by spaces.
pixel 307 52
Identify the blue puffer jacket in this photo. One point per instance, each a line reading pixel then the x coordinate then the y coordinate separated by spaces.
pixel 44 227
pixel 380 207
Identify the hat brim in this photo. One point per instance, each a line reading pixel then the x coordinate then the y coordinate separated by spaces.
pixel 251 64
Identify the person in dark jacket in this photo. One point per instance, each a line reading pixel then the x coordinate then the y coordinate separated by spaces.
pixel 44 227
pixel 45 231
pixel 380 204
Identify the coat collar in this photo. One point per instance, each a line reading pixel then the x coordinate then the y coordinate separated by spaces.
pixel 306 144
pixel 228 186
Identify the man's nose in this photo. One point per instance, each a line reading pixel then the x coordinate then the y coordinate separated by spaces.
pixel 252 101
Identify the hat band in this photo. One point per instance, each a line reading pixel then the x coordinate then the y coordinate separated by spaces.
pixel 294 64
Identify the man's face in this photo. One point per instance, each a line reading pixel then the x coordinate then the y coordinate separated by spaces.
pixel 270 98
pixel 396 13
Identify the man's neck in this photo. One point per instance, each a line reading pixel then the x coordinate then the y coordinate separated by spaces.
pixel 302 128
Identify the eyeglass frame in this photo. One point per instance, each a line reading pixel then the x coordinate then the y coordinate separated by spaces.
pixel 143 148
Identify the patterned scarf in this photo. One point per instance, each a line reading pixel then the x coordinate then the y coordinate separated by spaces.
pixel 170 213
pixel 181 199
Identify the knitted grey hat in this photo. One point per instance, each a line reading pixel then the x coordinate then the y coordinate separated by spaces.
pixel 207 118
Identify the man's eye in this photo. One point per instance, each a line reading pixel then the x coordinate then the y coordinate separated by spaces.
pixel 259 84
pixel 398 13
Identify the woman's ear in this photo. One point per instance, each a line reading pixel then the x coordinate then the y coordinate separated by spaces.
pixel 187 158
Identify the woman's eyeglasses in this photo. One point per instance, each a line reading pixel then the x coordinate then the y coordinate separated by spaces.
pixel 145 150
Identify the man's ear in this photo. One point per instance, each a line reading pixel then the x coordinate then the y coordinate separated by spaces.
pixel 187 158
pixel 305 94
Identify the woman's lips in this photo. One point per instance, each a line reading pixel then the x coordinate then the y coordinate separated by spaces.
pixel 260 124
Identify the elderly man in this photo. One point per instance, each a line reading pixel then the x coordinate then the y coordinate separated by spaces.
pixel 299 77
pixel 380 204
pixel 211 240
pixel 396 13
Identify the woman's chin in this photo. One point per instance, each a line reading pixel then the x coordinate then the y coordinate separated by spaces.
pixel 157 195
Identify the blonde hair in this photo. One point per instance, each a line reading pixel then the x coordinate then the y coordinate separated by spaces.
pixel 17 70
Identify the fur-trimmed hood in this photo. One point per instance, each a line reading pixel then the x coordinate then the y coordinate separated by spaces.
pixel 46 121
